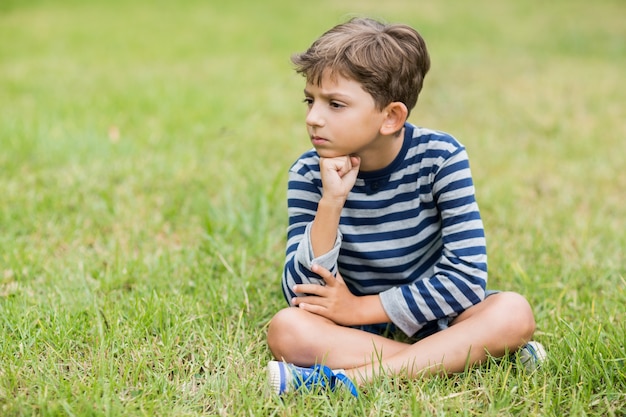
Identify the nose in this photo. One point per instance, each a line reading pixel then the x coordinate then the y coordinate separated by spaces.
pixel 314 116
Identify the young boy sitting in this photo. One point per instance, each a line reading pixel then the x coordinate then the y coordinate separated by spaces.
pixel 384 230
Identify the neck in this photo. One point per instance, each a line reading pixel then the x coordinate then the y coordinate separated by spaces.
pixel 382 155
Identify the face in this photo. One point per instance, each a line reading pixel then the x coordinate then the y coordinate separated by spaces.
pixel 342 119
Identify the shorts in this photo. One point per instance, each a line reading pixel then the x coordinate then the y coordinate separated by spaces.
pixel 390 330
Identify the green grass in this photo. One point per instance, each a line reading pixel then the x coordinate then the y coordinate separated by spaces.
pixel 144 150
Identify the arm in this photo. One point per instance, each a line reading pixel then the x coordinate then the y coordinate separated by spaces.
pixel 313 235
pixel 338 177
pixel 458 278
pixel 307 280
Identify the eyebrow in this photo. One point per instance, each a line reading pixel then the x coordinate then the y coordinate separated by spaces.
pixel 331 95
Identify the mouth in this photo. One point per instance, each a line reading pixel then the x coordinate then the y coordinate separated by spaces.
pixel 316 140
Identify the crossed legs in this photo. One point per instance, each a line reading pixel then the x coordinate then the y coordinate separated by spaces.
pixel 502 323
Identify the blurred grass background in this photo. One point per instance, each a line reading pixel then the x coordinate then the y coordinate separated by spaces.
pixel 144 150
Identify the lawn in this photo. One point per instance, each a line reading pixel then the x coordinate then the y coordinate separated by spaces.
pixel 144 148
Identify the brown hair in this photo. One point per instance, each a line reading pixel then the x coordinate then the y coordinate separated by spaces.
pixel 389 61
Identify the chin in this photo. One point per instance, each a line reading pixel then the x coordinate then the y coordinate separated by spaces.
pixel 329 153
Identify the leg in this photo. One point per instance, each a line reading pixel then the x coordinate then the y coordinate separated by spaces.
pixel 500 324
pixel 305 339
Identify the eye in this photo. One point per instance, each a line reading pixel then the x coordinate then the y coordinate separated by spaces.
pixel 337 105
pixel 308 101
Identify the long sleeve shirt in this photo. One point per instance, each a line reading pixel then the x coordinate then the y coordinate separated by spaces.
pixel 411 232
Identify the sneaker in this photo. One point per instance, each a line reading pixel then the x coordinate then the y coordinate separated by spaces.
pixel 285 377
pixel 532 355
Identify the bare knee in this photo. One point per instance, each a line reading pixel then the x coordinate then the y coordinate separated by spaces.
pixel 284 332
pixel 519 321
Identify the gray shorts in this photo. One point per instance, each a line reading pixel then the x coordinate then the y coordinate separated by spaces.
pixel 390 330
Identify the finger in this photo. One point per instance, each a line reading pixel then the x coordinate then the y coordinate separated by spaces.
pixel 347 167
pixel 350 175
pixel 313 289
pixel 341 165
pixel 355 161
pixel 307 300
pixel 326 275
pixel 315 309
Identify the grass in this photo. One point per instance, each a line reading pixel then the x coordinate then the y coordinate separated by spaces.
pixel 142 216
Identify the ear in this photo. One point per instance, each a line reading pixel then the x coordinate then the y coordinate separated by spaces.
pixel 396 114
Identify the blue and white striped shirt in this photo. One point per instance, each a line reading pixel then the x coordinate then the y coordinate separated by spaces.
pixel 410 232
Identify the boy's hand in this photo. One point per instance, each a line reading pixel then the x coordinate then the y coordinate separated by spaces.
pixel 333 301
pixel 338 176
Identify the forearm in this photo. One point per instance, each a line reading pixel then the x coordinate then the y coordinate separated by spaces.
pixel 325 226
pixel 370 311
pixel 411 306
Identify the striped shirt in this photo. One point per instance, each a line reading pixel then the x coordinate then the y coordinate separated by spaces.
pixel 410 232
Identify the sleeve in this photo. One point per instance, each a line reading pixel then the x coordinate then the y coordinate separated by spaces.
pixel 459 276
pixel 303 195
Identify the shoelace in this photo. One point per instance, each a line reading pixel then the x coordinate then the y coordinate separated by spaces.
pixel 323 376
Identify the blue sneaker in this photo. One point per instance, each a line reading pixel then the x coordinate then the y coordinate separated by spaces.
pixel 532 355
pixel 285 377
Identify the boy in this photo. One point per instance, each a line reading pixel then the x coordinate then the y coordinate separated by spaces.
pixel 384 231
